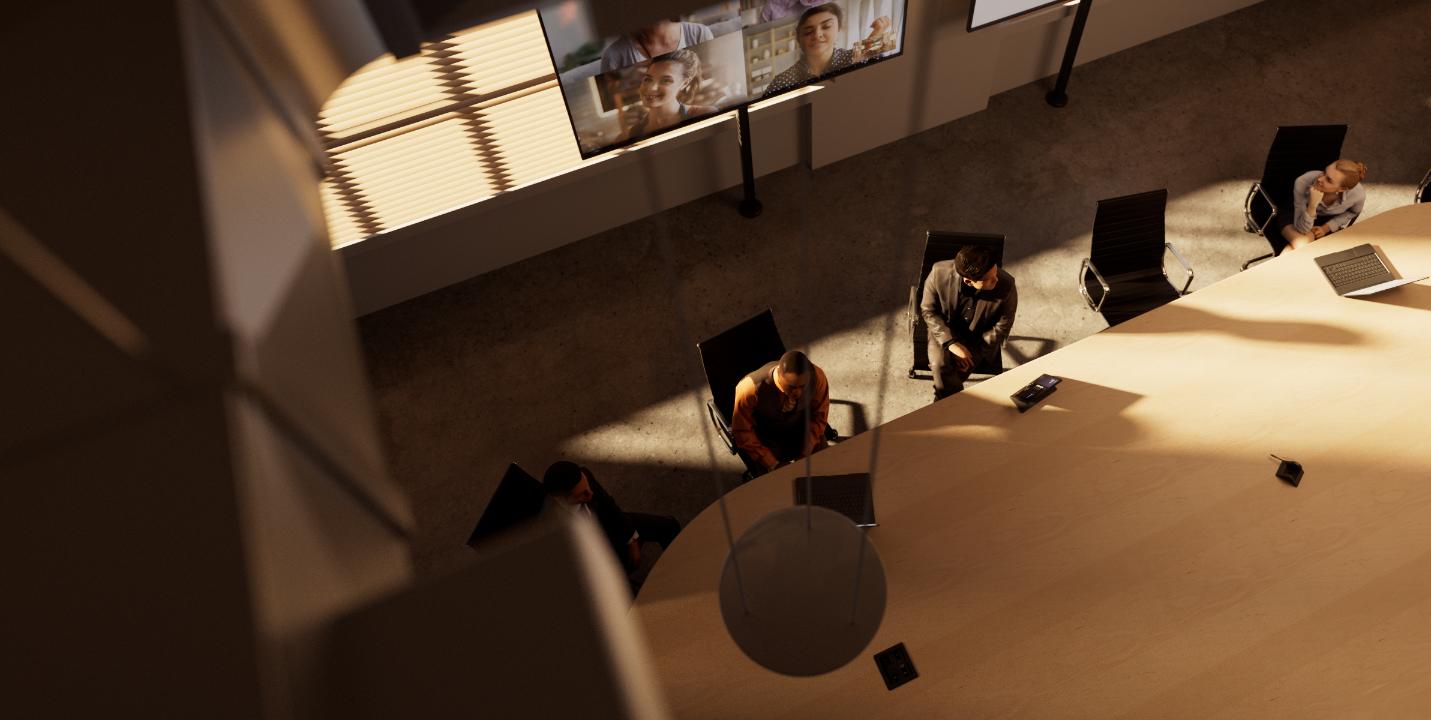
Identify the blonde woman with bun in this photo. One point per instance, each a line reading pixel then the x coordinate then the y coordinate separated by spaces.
pixel 1325 201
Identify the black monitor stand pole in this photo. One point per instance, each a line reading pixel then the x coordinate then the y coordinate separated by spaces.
pixel 1058 97
pixel 749 206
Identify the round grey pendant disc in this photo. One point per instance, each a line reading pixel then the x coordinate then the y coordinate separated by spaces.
pixel 798 568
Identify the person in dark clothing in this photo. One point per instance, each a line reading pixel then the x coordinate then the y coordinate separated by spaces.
pixel 575 486
pixel 968 306
pixel 769 420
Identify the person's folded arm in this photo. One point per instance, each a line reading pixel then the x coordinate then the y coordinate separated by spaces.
pixel 742 425
pixel 1301 198
pixel 610 515
pixel 819 411
pixel 996 335
pixel 972 341
pixel 1346 217
pixel 932 309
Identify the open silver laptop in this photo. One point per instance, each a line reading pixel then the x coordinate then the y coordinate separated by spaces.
pixel 1359 271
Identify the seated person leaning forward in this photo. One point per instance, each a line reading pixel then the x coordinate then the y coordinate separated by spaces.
pixel 1325 201
pixel 968 306
pixel 769 422
pixel 579 492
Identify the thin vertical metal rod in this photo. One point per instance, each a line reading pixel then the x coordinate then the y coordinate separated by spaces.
pixel 810 370
pixel 749 206
pixel 673 289
pixel 874 457
pixel 1058 97
pixel 809 462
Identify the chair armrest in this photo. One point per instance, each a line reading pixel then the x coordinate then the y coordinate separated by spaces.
pixel 720 425
pixel 1421 189
pixel 1083 284
pixel 1252 194
pixel 1185 265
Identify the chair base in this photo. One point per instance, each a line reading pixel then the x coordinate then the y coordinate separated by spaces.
pixel 1133 294
pixel 1257 259
pixel 976 376
pixel 924 373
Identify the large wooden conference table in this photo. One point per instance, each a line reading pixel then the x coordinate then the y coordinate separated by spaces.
pixel 1124 549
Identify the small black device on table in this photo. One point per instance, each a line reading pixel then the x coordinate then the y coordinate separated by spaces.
pixel 1289 471
pixel 1034 392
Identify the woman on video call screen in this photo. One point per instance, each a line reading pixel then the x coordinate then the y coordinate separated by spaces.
pixel 817 33
pixel 713 60
pixel 667 84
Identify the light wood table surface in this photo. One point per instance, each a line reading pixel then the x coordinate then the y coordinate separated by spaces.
pixel 1124 550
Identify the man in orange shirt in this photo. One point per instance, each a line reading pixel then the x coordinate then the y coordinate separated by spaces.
pixel 771 404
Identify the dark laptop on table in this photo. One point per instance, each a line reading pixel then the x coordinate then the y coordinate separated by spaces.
pixel 1359 271
pixel 849 495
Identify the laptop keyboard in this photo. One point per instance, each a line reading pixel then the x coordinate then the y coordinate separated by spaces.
pixel 1355 270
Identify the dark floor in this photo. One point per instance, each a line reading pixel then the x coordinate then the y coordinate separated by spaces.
pixel 587 352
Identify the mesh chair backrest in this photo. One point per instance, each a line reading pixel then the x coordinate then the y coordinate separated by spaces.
pixel 733 354
pixel 1298 149
pixel 518 498
pixel 1128 233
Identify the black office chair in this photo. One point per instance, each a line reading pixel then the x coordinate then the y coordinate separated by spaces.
pixel 518 498
pixel 1423 191
pixel 1126 258
pixel 938 247
pixel 729 357
pixel 1295 150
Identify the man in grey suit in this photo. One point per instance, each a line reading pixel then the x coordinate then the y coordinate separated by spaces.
pixel 969 304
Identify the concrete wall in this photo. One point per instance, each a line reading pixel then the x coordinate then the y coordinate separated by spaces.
pixel 126 590
pixel 196 486
pixel 324 528
pixel 945 73
pixel 549 601
pixel 196 483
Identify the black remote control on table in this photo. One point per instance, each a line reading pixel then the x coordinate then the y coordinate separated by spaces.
pixel 1034 392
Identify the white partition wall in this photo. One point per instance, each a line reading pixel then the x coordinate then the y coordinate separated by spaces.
pixel 990 12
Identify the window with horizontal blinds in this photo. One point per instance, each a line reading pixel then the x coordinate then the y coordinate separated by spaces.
pixel 471 116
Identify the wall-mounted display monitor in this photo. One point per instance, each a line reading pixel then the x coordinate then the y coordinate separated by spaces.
pixel 676 71
pixel 983 13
